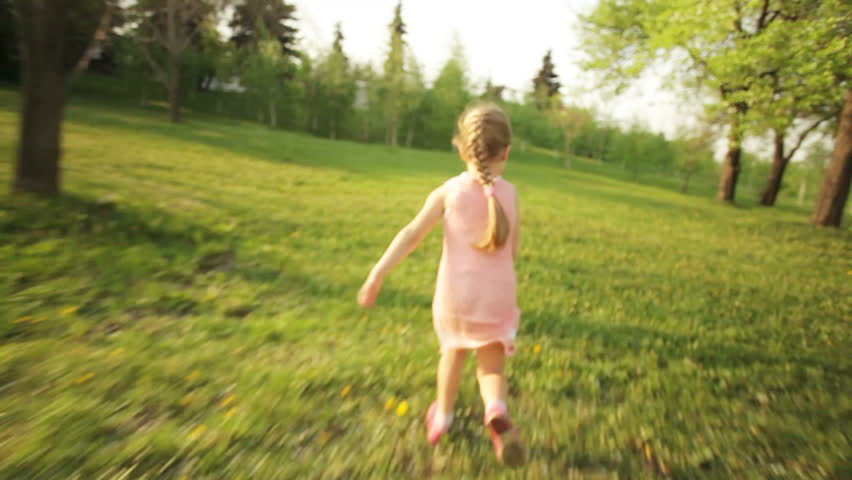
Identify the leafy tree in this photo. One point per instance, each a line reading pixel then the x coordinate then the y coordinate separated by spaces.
pixel 166 29
pixel 493 93
pixel 546 83
pixel 705 38
pixel 415 107
pixel 571 120
pixel 449 95
pixel 338 87
pixel 265 73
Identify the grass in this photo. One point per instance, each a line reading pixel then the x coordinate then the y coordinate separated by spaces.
pixel 201 322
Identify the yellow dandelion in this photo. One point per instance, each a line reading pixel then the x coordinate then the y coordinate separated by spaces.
pixel 649 454
pixel 296 234
pixel 238 350
pixel 197 432
pixel 70 310
pixel 324 438
pixel 402 408
pixel 118 351
pixel 537 349
pixel 345 391
pixel 23 319
pixel 558 374
pixel 85 378
pixel 187 399
pixel 231 413
pixel 849 272
pixel 390 404
pixel 193 376
pixel 228 400
pixel 39 319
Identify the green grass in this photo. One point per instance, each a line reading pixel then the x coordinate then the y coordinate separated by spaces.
pixel 216 334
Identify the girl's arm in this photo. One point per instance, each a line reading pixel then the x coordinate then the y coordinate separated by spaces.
pixel 402 245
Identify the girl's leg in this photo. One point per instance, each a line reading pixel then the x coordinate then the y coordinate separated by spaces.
pixel 491 360
pixel 493 388
pixel 449 376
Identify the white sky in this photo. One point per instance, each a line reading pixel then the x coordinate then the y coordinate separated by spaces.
pixel 503 39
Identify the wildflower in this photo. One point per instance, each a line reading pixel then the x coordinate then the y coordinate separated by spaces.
pixel 118 351
pixel 649 454
pixel 346 390
pixel 193 376
pixel 324 438
pixel 390 404
pixel 187 399
pixel 238 350
pixel 85 378
pixel 228 400
pixel 402 408
pixel 23 319
pixel 537 349
pixel 70 310
pixel 197 432
pixel 296 234
pixel 231 413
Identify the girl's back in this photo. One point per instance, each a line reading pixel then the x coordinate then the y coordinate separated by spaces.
pixel 476 290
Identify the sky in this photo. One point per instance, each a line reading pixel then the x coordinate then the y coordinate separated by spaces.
pixel 504 40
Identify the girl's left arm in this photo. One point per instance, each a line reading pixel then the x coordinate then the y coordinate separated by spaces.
pixel 405 242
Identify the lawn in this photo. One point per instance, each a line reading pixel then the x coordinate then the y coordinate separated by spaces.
pixel 187 310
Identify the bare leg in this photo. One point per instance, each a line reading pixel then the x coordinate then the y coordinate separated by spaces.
pixel 489 371
pixel 449 376
pixel 493 388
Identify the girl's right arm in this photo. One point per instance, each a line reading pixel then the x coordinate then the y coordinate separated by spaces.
pixel 402 245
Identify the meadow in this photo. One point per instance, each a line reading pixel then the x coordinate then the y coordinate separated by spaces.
pixel 186 310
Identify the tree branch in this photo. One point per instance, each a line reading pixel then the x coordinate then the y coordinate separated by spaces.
pixel 805 134
pixel 158 70
pixel 761 22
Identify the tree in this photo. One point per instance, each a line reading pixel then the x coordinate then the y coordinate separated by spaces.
pixel 41 26
pixel 493 93
pixel 447 98
pixel 705 38
pixel 545 84
pixel 265 71
pixel 338 87
pixel 166 30
pixel 109 19
pixel 571 121
pixel 274 17
pixel 394 77
pixel 835 185
pixel 695 149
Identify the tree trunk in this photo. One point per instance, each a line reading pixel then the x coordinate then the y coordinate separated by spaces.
pixel 100 36
pixel 394 134
pixel 779 165
pixel 803 188
pixel 42 24
pixel 567 150
pixel 174 88
pixel 838 175
pixel 687 172
pixel 332 129
pixel 273 115
pixel 409 137
pixel 174 61
pixel 731 166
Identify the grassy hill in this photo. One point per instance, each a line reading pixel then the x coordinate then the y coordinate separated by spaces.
pixel 187 310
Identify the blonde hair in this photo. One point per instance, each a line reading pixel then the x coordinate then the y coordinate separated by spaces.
pixel 483 132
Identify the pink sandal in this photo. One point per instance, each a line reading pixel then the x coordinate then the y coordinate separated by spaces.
pixel 505 437
pixel 433 433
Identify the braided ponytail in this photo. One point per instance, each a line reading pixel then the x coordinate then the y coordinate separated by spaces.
pixel 483 131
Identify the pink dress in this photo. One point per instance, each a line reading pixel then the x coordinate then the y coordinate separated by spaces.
pixel 475 300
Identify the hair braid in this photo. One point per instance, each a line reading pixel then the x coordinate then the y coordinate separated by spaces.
pixel 483 131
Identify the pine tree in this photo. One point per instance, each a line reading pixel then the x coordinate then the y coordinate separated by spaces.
pixel 394 77
pixel 546 83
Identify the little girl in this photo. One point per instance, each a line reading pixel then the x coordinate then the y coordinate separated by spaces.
pixel 475 306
